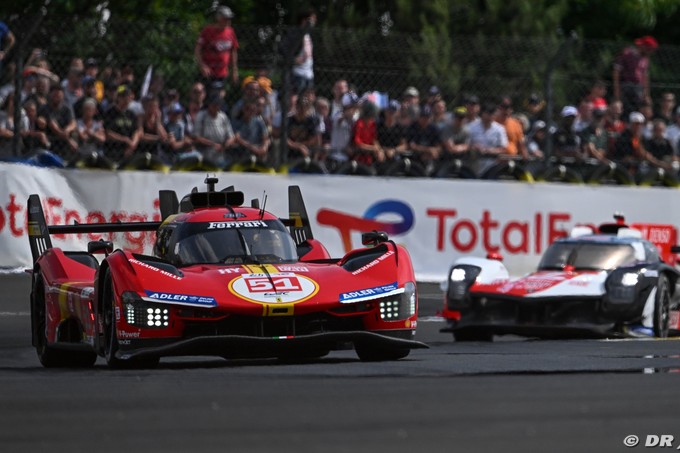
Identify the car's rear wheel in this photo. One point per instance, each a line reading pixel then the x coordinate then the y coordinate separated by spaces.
pixel 472 335
pixel 369 353
pixel 662 308
pixel 49 356
pixel 111 344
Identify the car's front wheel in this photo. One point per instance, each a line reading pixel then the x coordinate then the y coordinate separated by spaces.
pixel 662 308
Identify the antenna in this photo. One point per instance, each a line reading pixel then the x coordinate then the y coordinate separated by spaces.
pixel 211 181
pixel 264 204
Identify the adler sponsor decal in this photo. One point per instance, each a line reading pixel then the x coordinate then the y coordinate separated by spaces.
pixel 241 224
pixel 370 293
pixel 280 288
pixel 182 299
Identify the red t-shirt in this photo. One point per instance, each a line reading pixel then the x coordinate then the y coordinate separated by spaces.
pixel 216 47
pixel 365 133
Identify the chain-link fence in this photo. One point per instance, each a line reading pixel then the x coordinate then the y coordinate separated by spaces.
pixel 369 60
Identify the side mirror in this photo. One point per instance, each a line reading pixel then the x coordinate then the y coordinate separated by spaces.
pixel 99 247
pixel 373 238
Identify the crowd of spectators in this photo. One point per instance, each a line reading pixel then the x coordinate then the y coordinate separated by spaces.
pixel 105 112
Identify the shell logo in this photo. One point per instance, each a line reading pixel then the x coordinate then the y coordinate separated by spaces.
pixel 279 288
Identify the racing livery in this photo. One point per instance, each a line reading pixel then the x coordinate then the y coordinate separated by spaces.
pixel 224 280
pixel 606 281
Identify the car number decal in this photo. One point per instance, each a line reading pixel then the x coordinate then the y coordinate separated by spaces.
pixel 281 288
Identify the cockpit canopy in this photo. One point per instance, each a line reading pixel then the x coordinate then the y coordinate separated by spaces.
pixel 589 256
pixel 232 242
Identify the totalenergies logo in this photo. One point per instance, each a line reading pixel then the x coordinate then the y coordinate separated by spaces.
pixel 346 224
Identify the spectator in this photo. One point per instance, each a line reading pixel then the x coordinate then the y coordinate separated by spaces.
pixel 566 142
pixel 455 136
pixel 584 117
pixel 613 124
pixel 666 108
pixel 596 95
pixel 73 88
pixel 410 102
pixel 434 95
pixel 123 128
pixel 594 138
pixel 251 92
pixel 170 98
pixel 423 140
pixel 534 110
pixel 673 132
pixel 473 108
pixel 41 90
pixel 487 137
pixel 304 138
pixel 648 112
pixel 92 71
pixel 322 108
pixel 631 74
pixel 213 133
pixel 35 135
pixel 629 148
pixel 217 49
pixel 536 140
pixel 342 132
pixel 89 93
pixel 659 148
pixel 60 123
pixel 513 129
pixel 391 134
pixel 7 40
pixel 178 139
pixel 303 64
pixel 440 117
pixel 91 134
pixel 154 136
pixel 366 149
pixel 251 135
pixel 339 89
pixel 7 127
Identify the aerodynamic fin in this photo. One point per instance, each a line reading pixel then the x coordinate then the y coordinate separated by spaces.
pixel 169 204
pixel 38 233
pixel 299 225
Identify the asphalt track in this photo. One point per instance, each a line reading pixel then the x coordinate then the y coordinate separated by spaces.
pixel 513 395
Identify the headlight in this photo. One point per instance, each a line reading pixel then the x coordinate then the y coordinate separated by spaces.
pixel 457 274
pixel 399 307
pixel 629 279
pixel 140 313
pixel 461 278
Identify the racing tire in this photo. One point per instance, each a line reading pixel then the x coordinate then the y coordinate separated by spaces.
pixel 662 304
pixel 471 335
pixel 379 354
pixel 111 335
pixel 50 357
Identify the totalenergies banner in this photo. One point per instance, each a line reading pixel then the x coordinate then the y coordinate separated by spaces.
pixel 438 220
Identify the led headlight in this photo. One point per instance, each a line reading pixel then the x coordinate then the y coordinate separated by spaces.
pixel 400 306
pixel 144 314
pixel 621 287
pixel 629 279
pixel 461 278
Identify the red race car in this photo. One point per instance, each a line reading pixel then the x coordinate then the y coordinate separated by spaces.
pixel 224 280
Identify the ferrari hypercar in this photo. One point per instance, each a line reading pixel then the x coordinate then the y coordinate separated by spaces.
pixel 223 280
pixel 598 282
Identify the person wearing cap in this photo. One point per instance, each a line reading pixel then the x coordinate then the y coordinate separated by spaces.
pixel 566 143
pixel 423 140
pixel 472 107
pixel 251 91
pixel 410 100
pixel 630 74
pixel 216 49
pixel 434 94
pixel 92 70
pixel 365 146
pixel 629 149
pixel 178 139
pixel 213 133
pixel 123 127
pixel 455 136
pixel 391 133
pixel 536 140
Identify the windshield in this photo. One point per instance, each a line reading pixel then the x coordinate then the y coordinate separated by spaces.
pixel 246 242
pixel 587 256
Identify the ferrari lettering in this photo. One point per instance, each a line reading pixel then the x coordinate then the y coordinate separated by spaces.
pixel 244 224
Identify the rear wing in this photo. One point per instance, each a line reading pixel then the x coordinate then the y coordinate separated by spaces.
pixel 39 232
